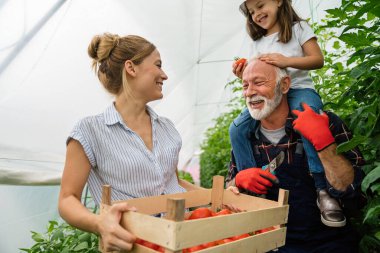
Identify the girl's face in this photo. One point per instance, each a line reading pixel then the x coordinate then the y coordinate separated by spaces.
pixel 150 78
pixel 264 14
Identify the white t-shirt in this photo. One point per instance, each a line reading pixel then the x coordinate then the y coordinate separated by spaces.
pixel 301 32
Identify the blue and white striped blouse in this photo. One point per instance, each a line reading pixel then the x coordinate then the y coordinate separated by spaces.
pixel 120 158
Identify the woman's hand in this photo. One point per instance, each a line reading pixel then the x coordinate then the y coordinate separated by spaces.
pixel 275 59
pixel 114 236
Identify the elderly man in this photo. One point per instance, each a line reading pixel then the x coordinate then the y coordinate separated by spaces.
pixel 265 88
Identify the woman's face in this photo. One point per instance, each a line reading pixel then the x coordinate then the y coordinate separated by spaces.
pixel 150 78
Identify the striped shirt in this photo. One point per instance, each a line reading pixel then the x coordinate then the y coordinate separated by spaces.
pixel 120 158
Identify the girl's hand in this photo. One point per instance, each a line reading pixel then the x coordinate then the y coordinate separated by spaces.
pixel 275 59
pixel 238 67
pixel 114 236
pixel 231 207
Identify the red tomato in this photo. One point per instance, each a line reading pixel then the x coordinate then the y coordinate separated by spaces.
pixel 161 249
pixel 139 241
pixel 238 237
pixel 150 245
pixel 219 242
pixel 223 212
pixel 265 230
pixel 194 248
pixel 200 213
pixel 227 240
pixel 240 61
pixel 209 244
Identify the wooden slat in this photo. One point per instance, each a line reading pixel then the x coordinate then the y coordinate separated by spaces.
pixel 157 204
pixel 246 202
pixel 106 194
pixel 283 197
pixel 140 249
pixel 195 232
pixel 217 192
pixel 150 228
pixel 259 243
pixel 175 212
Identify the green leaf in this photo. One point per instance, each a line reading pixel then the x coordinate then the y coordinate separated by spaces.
pixel 38 237
pixel 81 246
pixel 377 235
pixel 373 212
pixel 346 146
pixel 371 177
pixel 58 234
pixel 84 237
pixel 375 189
pixel 336 44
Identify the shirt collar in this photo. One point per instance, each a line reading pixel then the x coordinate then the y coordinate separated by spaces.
pixel 288 126
pixel 112 116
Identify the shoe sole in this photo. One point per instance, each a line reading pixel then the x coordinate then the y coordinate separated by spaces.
pixel 335 224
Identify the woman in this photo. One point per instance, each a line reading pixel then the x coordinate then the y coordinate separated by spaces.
pixel 128 146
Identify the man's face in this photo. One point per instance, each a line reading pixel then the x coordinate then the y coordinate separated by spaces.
pixel 260 89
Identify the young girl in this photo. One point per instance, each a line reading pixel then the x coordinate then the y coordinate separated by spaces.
pixel 274 26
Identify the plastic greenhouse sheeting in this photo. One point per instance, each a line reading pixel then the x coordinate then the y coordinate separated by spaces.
pixel 46 85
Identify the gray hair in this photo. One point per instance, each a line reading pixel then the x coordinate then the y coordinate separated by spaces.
pixel 280 72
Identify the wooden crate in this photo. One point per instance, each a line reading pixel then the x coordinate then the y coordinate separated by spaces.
pixel 174 233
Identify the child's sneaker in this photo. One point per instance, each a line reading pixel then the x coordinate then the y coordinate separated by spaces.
pixel 331 212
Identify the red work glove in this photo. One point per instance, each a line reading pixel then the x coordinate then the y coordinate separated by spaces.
pixel 314 127
pixel 255 180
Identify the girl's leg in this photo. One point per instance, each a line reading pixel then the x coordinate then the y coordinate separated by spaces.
pixel 331 212
pixel 239 131
pixel 310 97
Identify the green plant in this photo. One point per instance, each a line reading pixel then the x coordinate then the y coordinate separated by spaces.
pixel 216 147
pixel 184 175
pixel 63 238
pixel 350 85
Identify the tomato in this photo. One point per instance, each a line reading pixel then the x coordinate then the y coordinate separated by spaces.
pixel 223 212
pixel 150 245
pixel 238 237
pixel 194 248
pixel 265 230
pixel 227 240
pixel 209 244
pixel 200 213
pixel 139 241
pixel 161 249
pixel 240 61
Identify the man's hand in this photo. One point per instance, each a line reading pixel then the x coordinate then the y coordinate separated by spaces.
pixel 255 180
pixel 314 127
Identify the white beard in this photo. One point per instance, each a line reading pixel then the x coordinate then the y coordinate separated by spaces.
pixel 269 104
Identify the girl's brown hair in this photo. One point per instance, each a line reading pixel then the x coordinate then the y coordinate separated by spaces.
pixel 286 17
pixel 109 53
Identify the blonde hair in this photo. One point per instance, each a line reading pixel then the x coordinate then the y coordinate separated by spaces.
pixel 109 53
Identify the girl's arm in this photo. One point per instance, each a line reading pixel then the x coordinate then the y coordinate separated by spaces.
pixel 75 174
pixel 313 58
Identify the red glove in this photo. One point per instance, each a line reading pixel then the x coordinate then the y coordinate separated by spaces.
pixel 255 180
pixel 314 127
